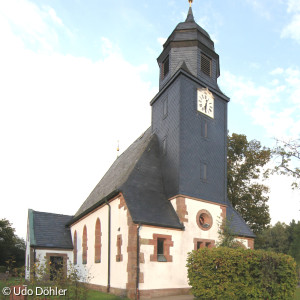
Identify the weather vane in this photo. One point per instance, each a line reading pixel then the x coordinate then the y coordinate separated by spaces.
pixel 190 1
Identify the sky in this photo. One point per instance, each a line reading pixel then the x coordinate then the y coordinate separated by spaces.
pixel 77 76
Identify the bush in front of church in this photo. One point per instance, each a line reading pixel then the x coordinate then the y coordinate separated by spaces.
pixel 226 273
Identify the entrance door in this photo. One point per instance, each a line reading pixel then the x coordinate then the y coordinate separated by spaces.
pixel 56 267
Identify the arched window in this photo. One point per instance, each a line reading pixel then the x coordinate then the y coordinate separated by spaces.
pixel 75 248
pixel 97 241
pixel 84 245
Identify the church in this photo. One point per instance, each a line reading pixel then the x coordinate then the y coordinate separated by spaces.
pixel 164 196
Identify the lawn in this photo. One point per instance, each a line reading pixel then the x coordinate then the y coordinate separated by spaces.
pixel 92 294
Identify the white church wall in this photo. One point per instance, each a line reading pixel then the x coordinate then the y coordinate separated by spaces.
pixel 163 275
pixel 119 226
pixel 92 272
pixel 192 229
pixel 174 274
pixel 97 272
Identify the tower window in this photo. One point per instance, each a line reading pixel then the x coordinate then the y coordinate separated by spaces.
pixel 165 67
pixel 206 65
pixel 204 128
pixel 164 146
pixel 203 171
pixel 165 107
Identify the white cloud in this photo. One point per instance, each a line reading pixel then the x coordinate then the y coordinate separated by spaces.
pixel 281 192
pixel 54 16
pixel 293 6
pixel 292 30
pixel 260 9
pixel 31 24
pixel 61 117
pixel 161 40
pixel 274 108
pixel 277 71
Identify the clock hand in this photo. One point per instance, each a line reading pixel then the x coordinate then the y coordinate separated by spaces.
pixel 206 106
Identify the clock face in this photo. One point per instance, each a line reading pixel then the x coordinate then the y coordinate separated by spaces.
pixel 205 102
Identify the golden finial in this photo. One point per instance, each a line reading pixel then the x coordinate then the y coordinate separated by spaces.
pixel 118 149
pixel 190 1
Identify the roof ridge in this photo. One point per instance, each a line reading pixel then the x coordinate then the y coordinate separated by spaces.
pixel 49 213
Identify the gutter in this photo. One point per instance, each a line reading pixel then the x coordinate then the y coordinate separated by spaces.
pixel 109 242
pixel 85 212
pixel 137 295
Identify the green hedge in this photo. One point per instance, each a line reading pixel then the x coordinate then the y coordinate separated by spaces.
pixel 225 273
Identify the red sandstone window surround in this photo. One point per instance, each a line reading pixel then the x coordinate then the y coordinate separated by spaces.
pixel 75 248
pixel 119 256
pixel 204 219
pixel 84 245
pixel 98 241
pixel 162 244
pixel 203 243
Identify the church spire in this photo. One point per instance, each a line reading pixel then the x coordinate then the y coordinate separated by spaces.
pixel 190 17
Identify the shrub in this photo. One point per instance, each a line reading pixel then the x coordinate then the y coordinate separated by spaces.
pixel 3 269
pixel 225 273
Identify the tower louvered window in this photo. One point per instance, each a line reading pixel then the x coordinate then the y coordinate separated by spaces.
pixel 206 65
pixel 165 67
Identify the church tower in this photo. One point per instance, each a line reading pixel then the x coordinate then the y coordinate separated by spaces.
pixel 189 115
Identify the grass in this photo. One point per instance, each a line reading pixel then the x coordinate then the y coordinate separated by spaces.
pixel 92 294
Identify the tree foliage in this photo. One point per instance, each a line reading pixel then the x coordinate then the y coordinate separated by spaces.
pixel 226 236
pixel 245 163
pixel 287 157
pixel 12 248
pixel 281 238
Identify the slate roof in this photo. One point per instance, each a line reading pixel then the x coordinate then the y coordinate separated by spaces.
pixel 49 230
pixel 137 174
pixel 190 30
pixel 237 223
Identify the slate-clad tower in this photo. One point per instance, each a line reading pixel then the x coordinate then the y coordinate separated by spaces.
pixel 193 144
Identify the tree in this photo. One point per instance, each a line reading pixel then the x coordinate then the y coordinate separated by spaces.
pixel 294 241
pixel 226 236
pixel 245 163
pixel 275 238
pixel 287 154
pixel 281 238
pixel 11 246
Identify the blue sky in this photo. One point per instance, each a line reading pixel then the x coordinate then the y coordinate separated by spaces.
pixel 77 76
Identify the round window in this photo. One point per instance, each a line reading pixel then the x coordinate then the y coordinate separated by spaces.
pixel 204 219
